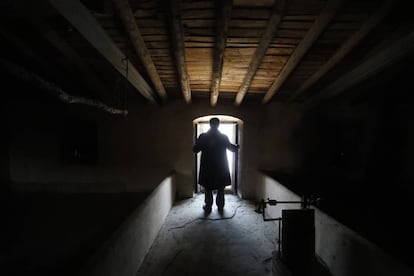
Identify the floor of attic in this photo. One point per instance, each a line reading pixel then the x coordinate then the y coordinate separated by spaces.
pixel 234 242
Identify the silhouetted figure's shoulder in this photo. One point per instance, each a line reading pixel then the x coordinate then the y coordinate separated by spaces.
pixel 199 145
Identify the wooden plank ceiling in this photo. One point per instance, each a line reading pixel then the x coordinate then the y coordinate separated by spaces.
pixel 240 50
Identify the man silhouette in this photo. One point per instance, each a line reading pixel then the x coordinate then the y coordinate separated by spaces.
pixel 214 168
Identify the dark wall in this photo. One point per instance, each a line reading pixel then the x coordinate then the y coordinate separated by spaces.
pixel 50 142
pixel 358 154
pixel 46 143
pixel 58 147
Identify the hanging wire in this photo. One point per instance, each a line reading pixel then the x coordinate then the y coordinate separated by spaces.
pixel 126 85
pixel 117 90
pixel 123 102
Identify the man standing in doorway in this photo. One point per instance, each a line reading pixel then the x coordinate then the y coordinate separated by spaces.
pixel 214 168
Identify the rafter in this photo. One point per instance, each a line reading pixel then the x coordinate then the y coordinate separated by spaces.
pixel 87 75
pixel 43 63
pixel 376 62
pixel 24 49
pixel 80 17
pixel 356 38
pixel 54 90
pixel 311 36
pixel 224 8
pixel 131 27
pixel 179 49
pixel 264 43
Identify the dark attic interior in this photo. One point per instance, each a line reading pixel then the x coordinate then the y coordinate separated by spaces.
pixel 102 102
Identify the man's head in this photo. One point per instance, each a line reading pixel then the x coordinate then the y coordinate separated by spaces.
pixel 214 123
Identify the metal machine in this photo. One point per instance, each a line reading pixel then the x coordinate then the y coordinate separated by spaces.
pixel 296 248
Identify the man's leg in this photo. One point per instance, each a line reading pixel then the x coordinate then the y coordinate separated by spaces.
pixel 208 199
pixel 220 198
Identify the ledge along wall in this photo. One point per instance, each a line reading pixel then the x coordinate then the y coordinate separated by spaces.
pixel 343 251
pixel 123 253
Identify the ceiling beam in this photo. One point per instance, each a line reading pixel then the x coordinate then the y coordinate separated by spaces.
pixel 320 24
pixel 266 39
pixel 44 85
pixel 25 48
pixel 80 17
pixel 223 9
pixel 374 64
pixel 125 13
pixel 179 48
pixel 88 76
pixel 356 38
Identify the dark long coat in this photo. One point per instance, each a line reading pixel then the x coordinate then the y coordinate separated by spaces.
pixel 214 167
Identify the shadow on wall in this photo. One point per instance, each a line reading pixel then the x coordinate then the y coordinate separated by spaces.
pixel 186 185
pixel 53 233
pixel 57 233
pixel 123 253
pixel 356 156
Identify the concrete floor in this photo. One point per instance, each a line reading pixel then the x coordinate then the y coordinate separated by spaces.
pixel 236 242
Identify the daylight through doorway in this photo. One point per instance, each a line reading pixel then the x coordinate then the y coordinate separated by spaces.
pixel 229 126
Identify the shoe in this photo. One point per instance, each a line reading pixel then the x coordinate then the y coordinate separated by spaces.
pixel 207 209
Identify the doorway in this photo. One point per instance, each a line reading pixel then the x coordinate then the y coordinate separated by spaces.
pixel 231 127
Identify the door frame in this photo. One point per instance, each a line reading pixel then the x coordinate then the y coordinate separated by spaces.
pixel 225 119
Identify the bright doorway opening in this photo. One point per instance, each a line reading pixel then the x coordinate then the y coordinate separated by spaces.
pixel 231 127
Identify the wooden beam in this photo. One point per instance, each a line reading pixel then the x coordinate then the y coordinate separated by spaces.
pixel 223 8
pixel 131 27
pixel 265 41
pixel 54 90
pixel 375 63
pixel 25 49
pixel 80 17
pixel 359 35
pixel 317 28
pixel 179 48
pixel 22 47
pixel 87 75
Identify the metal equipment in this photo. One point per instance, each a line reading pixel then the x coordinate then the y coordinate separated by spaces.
pixel 298 235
